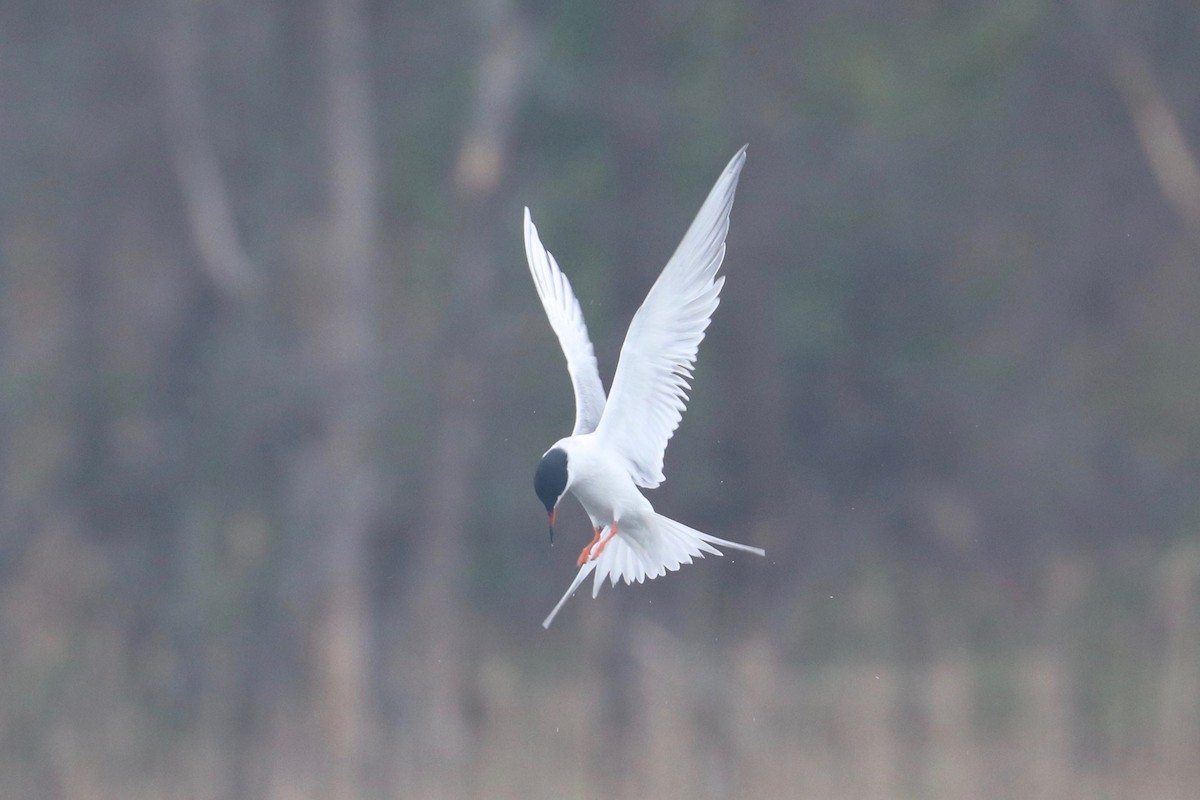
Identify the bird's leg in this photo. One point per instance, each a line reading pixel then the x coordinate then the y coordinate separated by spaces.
pixel 604 542
pixel 587 551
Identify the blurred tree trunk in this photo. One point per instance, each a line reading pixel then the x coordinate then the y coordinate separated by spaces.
pixel 461 391
pixel 338 476
pixel 1159 132
pixel 753 394
pixel 210 216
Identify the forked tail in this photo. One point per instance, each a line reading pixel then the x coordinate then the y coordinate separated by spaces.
pixel 661 547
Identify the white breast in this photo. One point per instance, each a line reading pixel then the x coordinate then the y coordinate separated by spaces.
pixel 601 483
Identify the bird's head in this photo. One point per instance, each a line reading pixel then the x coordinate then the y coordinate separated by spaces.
pixel 550 482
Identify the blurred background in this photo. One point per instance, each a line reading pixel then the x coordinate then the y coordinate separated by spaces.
pixel 274 380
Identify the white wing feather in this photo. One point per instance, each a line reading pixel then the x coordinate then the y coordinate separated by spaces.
pixel 649 389
pixel 566 318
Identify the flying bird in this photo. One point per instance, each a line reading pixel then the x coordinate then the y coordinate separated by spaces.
pixel 618 443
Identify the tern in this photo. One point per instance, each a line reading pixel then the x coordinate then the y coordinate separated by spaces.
pixel 617 444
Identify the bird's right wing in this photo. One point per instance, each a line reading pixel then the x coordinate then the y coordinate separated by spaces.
pixel 649 389
pixel 566 318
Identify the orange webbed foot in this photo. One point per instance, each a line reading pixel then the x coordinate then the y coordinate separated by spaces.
pixel 587 551
pixel 604 542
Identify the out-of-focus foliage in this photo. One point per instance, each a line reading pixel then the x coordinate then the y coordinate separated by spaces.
pixel 266 519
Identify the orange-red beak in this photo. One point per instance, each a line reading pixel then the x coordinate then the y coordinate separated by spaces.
pixel 551 516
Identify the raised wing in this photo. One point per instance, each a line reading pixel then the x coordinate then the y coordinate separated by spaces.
pixel 649 389
pixel 566 318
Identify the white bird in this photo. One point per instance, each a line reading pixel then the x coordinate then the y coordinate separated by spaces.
pixel 617 445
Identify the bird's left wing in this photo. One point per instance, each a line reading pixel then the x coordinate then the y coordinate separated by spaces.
pixel 649 389
pixel 566 318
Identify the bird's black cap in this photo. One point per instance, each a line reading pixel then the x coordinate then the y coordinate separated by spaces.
pixel 550 481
